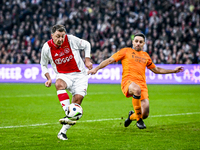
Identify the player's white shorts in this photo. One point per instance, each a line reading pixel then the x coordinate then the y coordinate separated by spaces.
pixel 77 83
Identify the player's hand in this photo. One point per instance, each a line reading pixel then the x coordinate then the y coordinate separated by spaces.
pixel 88 63
pixel 179 69
pixel 48 83
pixel 92 71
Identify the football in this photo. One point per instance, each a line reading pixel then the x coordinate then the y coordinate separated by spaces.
pixel 74 111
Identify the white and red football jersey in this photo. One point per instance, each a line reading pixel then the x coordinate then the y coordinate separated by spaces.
pixel 65 58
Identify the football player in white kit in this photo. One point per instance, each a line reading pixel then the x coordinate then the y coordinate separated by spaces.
pixel 63 53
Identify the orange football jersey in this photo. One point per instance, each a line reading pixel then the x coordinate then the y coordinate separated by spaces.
pixel 134 64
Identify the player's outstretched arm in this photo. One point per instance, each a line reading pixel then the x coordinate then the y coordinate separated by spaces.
pixel 159 70
pixel 102 65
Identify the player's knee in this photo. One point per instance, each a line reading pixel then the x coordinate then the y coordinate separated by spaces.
pixel 134 89
pixel 60 85
pixel 77 99
pixel 137 91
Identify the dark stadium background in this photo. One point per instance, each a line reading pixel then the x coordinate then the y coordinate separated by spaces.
pixel 172 27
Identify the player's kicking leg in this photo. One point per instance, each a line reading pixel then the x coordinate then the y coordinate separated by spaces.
pixel 65 102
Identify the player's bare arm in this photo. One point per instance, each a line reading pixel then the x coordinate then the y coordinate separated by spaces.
pixel 179 69
pixel 102 65
pixel 49 81
pixel 88 63
pixel 159 70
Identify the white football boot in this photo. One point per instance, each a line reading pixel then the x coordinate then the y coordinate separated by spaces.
pixel 65 120
pixel 62 136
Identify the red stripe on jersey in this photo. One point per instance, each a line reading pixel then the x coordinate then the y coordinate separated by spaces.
pixel 63 57
pixel 63 96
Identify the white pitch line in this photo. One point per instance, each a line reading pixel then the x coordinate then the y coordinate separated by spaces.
pixel 38 95
pixel 181 114
pixel 43 124
pixel 42 95
pixel 20 126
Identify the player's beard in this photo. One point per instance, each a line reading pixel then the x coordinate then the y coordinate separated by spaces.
pixel 59 43
pixel 137 48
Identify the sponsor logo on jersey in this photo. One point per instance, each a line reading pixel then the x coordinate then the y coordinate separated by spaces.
pixel 63 60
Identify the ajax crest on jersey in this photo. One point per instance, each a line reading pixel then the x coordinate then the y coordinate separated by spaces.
pixel 74 111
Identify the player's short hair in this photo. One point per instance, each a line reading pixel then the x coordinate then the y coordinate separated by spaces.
pixel 140 34
pixel 59 28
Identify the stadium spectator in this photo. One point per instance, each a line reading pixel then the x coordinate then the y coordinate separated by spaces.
pixel 100 21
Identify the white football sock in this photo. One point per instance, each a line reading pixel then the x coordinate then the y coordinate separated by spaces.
pixel 64 128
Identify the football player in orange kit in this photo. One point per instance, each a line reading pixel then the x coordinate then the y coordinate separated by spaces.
pixel 134 62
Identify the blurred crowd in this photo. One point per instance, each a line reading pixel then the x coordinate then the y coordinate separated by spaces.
pixel 172 27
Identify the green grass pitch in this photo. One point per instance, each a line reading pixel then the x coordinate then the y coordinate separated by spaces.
pixel 29 115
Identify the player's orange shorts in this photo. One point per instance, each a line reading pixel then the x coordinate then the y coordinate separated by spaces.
pixel 144 91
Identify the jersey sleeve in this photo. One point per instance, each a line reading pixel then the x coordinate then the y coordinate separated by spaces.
pixel 150 64
pixel 119 55
pixel 80 44
pixel 44 59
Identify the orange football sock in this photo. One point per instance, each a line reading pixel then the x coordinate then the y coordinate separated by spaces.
pixel 133 117
pixel 137 107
